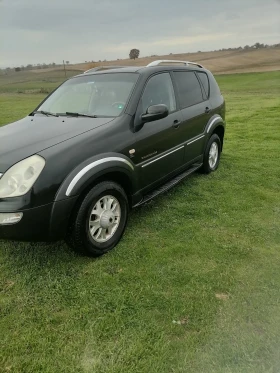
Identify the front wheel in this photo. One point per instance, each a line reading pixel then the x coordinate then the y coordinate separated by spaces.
pixel 212 154
pixel 100 220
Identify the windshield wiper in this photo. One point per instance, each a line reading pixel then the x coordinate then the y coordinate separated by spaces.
pixel 78 115
pixel 47 113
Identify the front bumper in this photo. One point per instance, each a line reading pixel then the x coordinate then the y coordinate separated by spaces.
pixel 43 223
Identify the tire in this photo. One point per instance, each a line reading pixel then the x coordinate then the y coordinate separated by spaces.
pixel 99 222
pixel 211 164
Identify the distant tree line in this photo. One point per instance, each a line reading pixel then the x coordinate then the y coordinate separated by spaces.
pixel 33 67
pixel 254 46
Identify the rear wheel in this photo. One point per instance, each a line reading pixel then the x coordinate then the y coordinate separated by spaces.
pixel 100 220
pixel 212 154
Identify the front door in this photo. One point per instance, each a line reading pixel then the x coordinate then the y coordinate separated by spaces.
pixel 157 146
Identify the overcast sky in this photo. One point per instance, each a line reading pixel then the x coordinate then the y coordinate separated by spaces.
pixel 38 31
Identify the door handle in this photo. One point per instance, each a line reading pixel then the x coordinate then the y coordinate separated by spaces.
pixel 207 110
pixel 176 123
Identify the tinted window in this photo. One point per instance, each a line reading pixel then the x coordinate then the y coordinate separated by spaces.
pixel 215 90
pixel 205 82
pixel 188 88
pixel 159 90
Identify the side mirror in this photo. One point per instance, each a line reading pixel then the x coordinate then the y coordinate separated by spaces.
pixel 155 112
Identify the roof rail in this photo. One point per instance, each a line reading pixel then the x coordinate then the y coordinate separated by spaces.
pixel 100 68
pixel 173 62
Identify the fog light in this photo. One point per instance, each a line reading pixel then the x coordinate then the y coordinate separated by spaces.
pixel 10 217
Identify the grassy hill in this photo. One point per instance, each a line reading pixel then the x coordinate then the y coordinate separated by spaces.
pixel 224 62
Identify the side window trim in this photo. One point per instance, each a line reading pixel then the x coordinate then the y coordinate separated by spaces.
pixel 177 89
pixel 202 86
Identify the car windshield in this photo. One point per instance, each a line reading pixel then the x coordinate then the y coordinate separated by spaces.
pixel 100 95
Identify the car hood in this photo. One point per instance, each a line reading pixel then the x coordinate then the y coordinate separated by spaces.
pixel 33 134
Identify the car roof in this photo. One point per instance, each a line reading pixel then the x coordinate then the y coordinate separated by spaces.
pixel 123 69
pixel 102 68
pixel 143 69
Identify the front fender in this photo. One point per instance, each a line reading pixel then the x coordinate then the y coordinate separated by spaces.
pixel 93 168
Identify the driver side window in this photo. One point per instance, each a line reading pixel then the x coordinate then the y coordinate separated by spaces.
pixel 159 90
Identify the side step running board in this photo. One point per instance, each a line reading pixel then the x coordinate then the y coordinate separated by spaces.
pixel 163 188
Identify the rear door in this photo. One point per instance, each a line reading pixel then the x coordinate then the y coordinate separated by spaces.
pixel 196 111
pixel 157 144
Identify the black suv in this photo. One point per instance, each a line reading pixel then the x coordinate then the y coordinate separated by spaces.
pixel 102 143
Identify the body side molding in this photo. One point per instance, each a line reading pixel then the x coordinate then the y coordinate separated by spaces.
pixel 195 139
pixel 162 156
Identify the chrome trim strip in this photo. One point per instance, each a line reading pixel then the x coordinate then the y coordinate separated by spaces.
pixel 92 165
pixel 147 164
pixel 200 137
pixel 213 121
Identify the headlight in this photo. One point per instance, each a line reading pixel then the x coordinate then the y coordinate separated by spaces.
pixel 19 179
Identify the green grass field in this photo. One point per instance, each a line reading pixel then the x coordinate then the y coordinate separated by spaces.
pixel 193 287
pixel 33 81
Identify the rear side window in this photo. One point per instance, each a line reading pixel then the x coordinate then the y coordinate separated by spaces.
pixel 215 90
pixel 205 82
pixel 189 89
